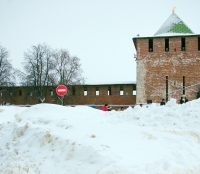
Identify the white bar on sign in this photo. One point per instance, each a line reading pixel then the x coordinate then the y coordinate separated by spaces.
pixel 61 90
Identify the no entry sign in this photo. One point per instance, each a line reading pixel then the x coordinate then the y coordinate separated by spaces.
pixel 61 90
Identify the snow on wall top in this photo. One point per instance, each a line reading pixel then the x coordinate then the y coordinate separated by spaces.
pixel 174 25
pixel 110 83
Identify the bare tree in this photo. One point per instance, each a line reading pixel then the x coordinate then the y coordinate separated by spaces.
pixel 46 67
pixel 67 69
pixel 7 72
pixel 38 66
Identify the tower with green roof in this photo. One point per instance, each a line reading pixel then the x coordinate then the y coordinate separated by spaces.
pixel 168 63
pixel 174 25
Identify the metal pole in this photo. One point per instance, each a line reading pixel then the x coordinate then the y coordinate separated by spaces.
pixel 62 100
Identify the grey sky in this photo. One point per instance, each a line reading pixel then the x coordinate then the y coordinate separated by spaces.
pixel 99 32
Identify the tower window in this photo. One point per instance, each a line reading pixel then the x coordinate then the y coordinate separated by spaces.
pixel 199 43
pixel 166 45
pixel 183 44
pixel 150 45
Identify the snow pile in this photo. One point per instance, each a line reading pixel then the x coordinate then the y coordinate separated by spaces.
pixel 52 139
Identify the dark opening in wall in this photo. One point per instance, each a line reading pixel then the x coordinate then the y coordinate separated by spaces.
pixel 199 43
pixel 183 44
pixel 166 45
pixel 20 92
pixel 150 45
pixel 73 91
pixel 166 88
pixel 149 101
pixel 184 85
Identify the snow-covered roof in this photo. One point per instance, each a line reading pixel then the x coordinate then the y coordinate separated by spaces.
pixel 174 25
pixel 110 83
pixel 166 34
pixel 174 34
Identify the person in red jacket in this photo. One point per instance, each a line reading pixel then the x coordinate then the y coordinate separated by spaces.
pixel 105 107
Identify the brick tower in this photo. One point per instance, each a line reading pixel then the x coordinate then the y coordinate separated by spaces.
pixel 168 63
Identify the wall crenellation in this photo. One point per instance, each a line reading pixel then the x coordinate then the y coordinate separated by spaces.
pixel 75 95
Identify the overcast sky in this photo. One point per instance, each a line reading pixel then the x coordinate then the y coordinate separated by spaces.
pixel 99 32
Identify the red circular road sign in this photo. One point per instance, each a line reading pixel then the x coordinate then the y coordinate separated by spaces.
pixel 61 90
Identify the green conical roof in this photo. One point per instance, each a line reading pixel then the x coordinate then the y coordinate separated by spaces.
pixel 174 25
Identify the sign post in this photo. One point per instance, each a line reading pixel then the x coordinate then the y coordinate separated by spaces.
pixel 61 90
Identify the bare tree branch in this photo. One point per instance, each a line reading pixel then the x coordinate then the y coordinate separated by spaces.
pixel 67 69
pixel 46 67
pixel 37 65
pixel 7 72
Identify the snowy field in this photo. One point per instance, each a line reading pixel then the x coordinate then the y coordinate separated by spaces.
pixel 53 139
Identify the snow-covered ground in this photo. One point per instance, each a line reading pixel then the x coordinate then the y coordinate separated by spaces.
pixel 53 139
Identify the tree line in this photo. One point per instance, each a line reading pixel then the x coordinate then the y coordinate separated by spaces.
pixel 42 66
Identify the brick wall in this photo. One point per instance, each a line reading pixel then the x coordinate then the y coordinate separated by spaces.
pixel 75 95
pixel 153 67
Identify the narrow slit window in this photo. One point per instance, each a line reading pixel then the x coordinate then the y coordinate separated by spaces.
pixel 166 45
pixel 134 92
pixel 150 45
pixel 183 44
pixel 199 43
pixel 184 85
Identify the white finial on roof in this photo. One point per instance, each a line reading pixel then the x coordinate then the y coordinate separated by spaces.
pixel 173 9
